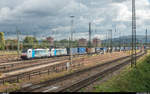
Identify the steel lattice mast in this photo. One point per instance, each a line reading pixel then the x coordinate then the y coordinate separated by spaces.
pixel 146 41
pixel 71 37
pixel 133 56
pixel 90 35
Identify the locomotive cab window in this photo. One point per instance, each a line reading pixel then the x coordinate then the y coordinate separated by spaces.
pixel 24 51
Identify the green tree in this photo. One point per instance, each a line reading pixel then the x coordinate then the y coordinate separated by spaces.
pixel 65 43
pixel 30 42
pixel 44 44
pixel 11 44
pixel 2 41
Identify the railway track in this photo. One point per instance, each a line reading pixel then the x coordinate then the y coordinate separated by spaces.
pixel 8 72
pixel 7 67
pixel 83 83
pixel 29 65
pixel 8 58
pixel 26 61
pixel 38 86
pixel 24 65
pixel 19 60
pixel 14 76
pixel 13 64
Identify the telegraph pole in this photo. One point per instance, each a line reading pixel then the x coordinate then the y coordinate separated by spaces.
pixel 133 56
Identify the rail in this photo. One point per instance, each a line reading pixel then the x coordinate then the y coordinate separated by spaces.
pixel 85 82
pixel 46 70
pixel 35 87
pixel 71 74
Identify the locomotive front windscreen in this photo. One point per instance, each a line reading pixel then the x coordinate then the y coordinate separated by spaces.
pixel 24 51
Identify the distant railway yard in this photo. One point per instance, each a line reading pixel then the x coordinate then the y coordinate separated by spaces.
pixel 58 74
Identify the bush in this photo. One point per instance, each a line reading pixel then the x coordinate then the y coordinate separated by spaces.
pixel 147 60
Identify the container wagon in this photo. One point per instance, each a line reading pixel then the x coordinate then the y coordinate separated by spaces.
pixel 73 50
pixel 97 50
pixel 81 51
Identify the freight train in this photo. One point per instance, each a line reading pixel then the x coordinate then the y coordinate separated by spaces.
pixel 43 53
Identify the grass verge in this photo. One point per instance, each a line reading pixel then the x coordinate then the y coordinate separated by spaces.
pixel 129 80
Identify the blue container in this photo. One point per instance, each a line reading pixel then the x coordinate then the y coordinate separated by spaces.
pixel 122 49
pixel 128 48
pixel 101 48
pixel 105 49
pixel 97 49
pixel 82 50
pixel 73 50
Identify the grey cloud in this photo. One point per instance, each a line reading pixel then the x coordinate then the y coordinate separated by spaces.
pixel 44 16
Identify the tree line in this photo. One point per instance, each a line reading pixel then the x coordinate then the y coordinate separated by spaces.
pixel 28 42
pixel 32 42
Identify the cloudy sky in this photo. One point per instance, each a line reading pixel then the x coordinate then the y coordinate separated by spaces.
pixel 43 18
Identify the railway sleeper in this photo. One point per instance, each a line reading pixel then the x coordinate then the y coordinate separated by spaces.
pixel 11 80
pixel 43 72
pixel 34 74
